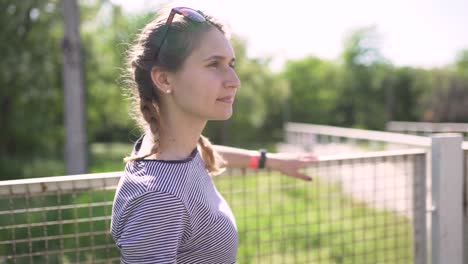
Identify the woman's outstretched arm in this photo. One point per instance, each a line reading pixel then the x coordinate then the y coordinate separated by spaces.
pixel 287 163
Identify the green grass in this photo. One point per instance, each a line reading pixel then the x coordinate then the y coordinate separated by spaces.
pixel 283 220
pixel 105 157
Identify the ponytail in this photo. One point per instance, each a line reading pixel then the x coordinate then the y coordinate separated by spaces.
pixel 214 163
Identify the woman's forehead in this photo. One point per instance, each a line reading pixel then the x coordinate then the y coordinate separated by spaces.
pixel 214 43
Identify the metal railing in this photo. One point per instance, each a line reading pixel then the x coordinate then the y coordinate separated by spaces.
pixel 446 177
pixel 352 133
pixel 427 128
pixel 57 219
pixel 331 140
pixel 360 208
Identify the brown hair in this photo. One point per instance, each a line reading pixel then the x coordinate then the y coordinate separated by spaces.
pixel 184 36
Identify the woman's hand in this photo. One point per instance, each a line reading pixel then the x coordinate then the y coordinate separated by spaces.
pixel 286 163
pixel 291 163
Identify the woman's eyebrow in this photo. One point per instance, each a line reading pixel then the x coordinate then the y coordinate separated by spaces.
pixel 219 57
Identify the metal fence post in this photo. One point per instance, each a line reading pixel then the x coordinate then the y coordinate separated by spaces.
pixel 419 210
pixel 447 199
pixel 465 201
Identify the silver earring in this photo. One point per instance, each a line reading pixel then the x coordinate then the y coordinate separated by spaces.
pixel 168 91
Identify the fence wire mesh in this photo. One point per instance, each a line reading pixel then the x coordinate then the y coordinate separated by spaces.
pixel 58 220
pixel 359 209
pixel 355 211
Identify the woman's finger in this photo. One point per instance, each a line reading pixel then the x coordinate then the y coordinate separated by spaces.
pixel 310 157
pixel 302 176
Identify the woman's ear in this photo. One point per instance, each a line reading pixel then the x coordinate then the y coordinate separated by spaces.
pixel 160 80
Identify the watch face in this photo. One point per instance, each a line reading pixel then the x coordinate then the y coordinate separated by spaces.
pixel 261 163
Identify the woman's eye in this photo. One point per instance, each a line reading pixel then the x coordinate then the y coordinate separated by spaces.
pixel 216 64
pixel 213 64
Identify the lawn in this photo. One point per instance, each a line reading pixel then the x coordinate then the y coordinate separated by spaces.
pixel 283 220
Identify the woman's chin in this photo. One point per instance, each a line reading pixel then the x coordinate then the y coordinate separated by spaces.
pixel 222 116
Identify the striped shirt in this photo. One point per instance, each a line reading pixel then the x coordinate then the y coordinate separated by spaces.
pixel 170 212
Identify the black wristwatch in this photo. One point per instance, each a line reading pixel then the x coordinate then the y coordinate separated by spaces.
pixel 262 161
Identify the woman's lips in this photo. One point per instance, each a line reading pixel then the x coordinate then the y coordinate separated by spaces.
pixel 226 99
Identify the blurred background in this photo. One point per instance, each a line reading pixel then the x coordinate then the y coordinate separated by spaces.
pixel 316 76
pixel 352 64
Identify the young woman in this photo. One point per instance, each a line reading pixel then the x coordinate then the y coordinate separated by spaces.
pixel 166 208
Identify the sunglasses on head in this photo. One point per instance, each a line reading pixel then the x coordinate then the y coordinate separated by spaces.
pixel 188 13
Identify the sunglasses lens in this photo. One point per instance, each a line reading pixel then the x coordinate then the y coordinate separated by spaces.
pixel 192 14
pixel 184 11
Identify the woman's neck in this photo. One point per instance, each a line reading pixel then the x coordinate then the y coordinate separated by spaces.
pixel 177 139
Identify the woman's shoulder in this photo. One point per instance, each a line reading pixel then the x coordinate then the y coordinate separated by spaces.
pixel 169 177
pixel 140 206
pixel 136 188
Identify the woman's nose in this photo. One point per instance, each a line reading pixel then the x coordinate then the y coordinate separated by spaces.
pixel 232 80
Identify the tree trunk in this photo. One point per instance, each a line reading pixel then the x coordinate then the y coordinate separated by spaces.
pixel 75 139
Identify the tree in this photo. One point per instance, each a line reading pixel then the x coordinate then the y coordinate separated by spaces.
pixel 75 125
pixel 447 97
pixel 313 90
pixel 30 80
pixel 365 77
pixel 31 93
pixel 107 33
pixel 461 62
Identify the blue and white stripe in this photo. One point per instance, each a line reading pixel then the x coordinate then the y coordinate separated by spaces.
pixel 171 212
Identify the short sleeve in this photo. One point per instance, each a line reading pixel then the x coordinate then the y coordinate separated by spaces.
pixel 153 229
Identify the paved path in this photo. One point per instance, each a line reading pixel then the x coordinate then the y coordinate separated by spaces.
pixel 385 185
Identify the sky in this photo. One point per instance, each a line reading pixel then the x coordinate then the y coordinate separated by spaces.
pixel 422 33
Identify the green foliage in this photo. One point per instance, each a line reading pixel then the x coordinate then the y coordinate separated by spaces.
pixel 461 62
pixel 364 90
pixel 106 157
pixel 313 90
pixel 30 80
pixel 343 93
pixel 405 93
pixel 106 38
pixel 447 98
pixel 361 98
pixel 361 47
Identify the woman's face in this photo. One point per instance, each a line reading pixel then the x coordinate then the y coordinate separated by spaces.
pixel 206 84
